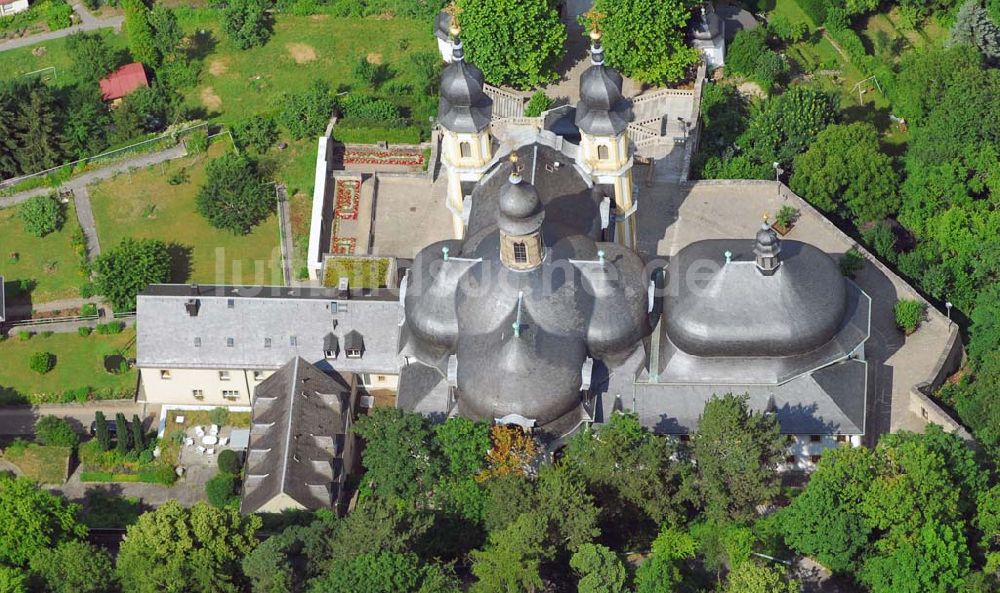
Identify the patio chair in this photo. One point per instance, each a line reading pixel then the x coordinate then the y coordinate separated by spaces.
pixel 223 441
pixel 189 441
pixel 213 430
pixel 210 452
pixel 198 430
pixel 201 449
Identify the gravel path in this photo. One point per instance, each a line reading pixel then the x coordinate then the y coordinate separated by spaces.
pixel 89 22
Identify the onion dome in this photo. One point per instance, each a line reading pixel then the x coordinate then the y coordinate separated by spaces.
pixel 766 248
pixel 602 110
pixel 463 106
pixel 707 26
pixel 520 208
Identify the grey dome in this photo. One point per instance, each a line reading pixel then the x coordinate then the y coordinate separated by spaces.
pixel 520 209
pixel 463 106
pixel 602 110
pixel 442 24
pixel 714 308
pixel 766 237
pixel 705 26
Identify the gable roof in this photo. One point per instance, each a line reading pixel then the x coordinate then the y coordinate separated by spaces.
pixel 298 437
pixel 123 81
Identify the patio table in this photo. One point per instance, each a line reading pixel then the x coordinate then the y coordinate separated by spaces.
pixel 209 440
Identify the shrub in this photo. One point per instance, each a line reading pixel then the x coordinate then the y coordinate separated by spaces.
pixel 236 195
pixel 258 132
pixel 58 14
pixel 79 395
pixel 42 362
pixel 178 177
pixel 219 415
pixel 786 29
pixel 221 490
pixel 744 50
pixel 56 431
pixel 814 9
pixel 197 142
pixel 786 216
pixel 47 334
pixel 88 309
pixel 112 327
pixel 851 262
pixel 909 313
pixel 24 335
pixel 882 240
pixel 538 103
pixel 229 462
pixel 306 113
pixel 364 71
pixel 42 215
pixel 158 474
pixel 366 108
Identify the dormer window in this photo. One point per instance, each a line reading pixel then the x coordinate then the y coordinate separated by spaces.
pixel 353 353
pixel 231 303
pixel 354 344
pixel 465 149
pixel 267 342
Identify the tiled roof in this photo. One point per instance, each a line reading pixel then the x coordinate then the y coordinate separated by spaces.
pixel 123 81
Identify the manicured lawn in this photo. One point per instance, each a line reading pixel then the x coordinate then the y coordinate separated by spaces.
pixel 79 363
pixel 144 205
pixel 45 464
pixel 20 61
pixel 50 261
pixel 791 10
pixel 368 272
pixel 236 83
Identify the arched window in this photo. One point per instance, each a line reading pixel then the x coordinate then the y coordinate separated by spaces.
pixel 466 149
pixel 602 152
pixel 520 253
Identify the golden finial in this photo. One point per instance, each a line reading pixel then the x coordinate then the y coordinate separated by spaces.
pixel 594 18
pixel 454 10
pixel 765 218
pixel 513 158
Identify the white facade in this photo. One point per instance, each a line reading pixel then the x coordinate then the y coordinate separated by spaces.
pixel 14 7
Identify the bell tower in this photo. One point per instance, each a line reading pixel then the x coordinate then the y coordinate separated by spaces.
pixel 520 222
pixel 603 115
pixel 464 112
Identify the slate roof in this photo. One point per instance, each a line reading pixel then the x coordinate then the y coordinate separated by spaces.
pixel 463 106
pixel 298 437
pixel 269 326
pixel 603 110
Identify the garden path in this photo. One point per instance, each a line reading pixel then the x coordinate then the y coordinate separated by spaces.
pixel 88 22
pixel 85 216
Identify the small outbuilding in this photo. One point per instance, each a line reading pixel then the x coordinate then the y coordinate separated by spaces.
pixel 122 82
pixel 11 7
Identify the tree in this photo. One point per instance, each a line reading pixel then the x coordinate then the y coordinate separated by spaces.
pixel 220 490
pixel 87 121
pixel 141 42
pixel 825 521
pixel 645 39
pixel 988 523
pixel 92 58
pixel 258 132
pixel 463 445
pixel 974 27
pixel 122 435
pixel 936 560
pixel 385 572
pixel 101 429
pixel 512 559
pixel 229 462
pixel 74 567
pixel 538 103
pixel 569 527
pixel 235 197
pixel 925 76
pixel 12 580
pixel 515 42
pixel 32 519
pixel 167 34
pixel 844 172
pixel 42 215
pixel 178 550
pixel 984 339
pixel 138 435
pixel 306 113
pixel 660 573
pixel 9 100
pixel 599 568
pixel 750 577
pixel 246 22
pixel 786 125
pixel 399 460
pixel 512 451
pixel 55 431
pixel 38 126
pixel 42 362
pixel 736 452
pixel 121 273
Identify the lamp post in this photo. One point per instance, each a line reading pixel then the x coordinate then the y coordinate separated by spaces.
pixel 948 306
pixel 777 176
pixel 684 125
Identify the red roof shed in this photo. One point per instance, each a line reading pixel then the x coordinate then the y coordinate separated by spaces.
pixel 123 81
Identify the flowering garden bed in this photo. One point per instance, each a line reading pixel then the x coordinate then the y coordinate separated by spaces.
pixel 347 197
pixel 343 245
pixel 374 156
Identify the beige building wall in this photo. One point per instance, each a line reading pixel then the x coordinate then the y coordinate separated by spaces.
pixel 379 381
pixel 465 158
pixel 280 503
pixel 209 387
pixel 609 161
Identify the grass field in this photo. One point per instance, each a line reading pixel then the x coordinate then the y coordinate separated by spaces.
pixel 144 205
pixel 16 62
pixel 50 261
pixel 791 10
pixel 79 363
pixel 44 464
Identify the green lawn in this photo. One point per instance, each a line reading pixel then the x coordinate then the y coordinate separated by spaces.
pixel 236 83
pixel 79 363
pixel 20 61
pixel 143 204
pixel 49 262
pixel 791 10
pixel 362 272
pixel 44 464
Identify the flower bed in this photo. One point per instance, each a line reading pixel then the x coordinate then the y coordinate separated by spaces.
pixel 348 195
pixel 403 158
pixel 343 245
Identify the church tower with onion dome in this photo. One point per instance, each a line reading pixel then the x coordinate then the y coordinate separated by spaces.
pixel 464 112
pixel 603 115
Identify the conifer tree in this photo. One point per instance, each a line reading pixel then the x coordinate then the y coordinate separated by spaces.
pixel 37 128
pixel 121 430
pixel 103 436
pixel 138 438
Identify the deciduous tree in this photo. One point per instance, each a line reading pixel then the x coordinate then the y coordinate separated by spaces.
pixel 121 273
pixel 750 577
pixel 141 42
pixel 74 567
pixel 385 572
pixel 599 568
pixel 512 559
pixel 399 460
pixel 178 550
pixel 32 519
pixel 660 572
pixel 236 196
pixel 515 42
pixel 42 215
pixel 246 22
